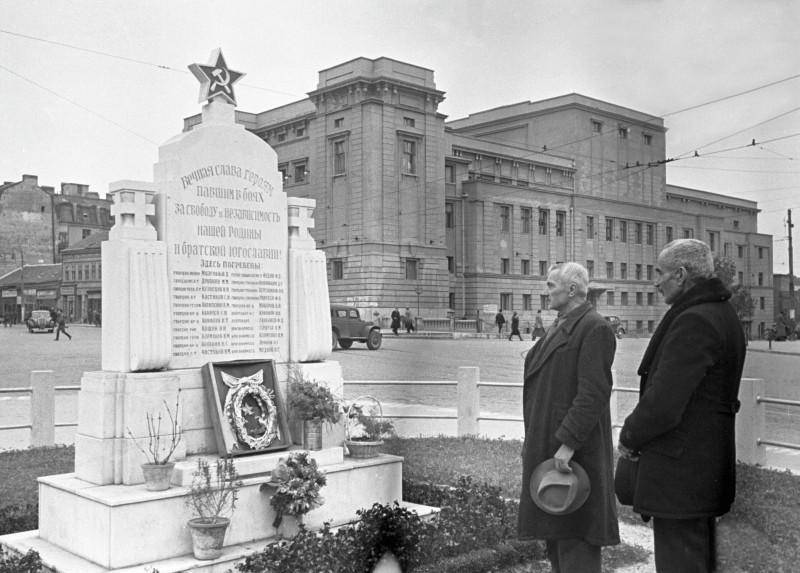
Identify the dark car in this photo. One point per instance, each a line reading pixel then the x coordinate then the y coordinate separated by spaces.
pixel 348 327
pixel 40 320
pixel 616 324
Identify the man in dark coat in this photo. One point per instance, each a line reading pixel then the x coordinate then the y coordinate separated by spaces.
pixel 515 327
pixel 683 429
pixel 567 388
pixel 395 321
pixel 499 320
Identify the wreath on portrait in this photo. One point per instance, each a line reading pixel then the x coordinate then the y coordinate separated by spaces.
pixel 250 409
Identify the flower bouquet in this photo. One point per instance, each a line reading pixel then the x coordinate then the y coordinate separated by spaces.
pixel 298 480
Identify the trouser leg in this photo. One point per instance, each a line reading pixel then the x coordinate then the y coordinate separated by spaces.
pixel 574 556
pixel 685 545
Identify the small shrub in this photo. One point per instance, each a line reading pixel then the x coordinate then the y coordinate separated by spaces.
pixel 15 518
pixel 12 563
pixel 392 528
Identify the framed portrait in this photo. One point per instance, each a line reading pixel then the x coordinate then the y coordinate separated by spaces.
pixel 247 409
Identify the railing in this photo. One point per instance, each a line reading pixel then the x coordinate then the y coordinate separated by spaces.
pixel 750 424
pixel 42 393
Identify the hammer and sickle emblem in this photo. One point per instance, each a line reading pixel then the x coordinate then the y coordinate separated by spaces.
pixel 223 77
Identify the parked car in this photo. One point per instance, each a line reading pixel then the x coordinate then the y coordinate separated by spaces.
pixel 39 321
pixel 347 327
pixel 616 324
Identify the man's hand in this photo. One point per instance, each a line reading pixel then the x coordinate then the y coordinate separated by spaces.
pixel 562 458
pixel 628 453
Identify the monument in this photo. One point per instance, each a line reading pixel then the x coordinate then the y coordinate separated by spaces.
pixel 208 264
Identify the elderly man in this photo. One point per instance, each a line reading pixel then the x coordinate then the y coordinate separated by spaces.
pixel 682 430
pixel 567 417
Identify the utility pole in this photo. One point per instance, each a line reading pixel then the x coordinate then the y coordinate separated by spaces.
pixel 791 269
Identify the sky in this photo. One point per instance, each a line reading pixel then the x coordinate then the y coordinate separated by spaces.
pixel 89 89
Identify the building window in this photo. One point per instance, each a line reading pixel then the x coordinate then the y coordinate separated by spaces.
pixel 669 234
pixel 451 265
pixel 338 122
pixel 762 303
pixel 726 249
pixel 337 269
pixel 300 131
pixel 623 298
pixel 622 132
pixel 527 303
pixel 609 270
pixel 637 232
pixel 505 301
pixel 638 272
pixel 339 158
pixel 449 216
pixel 408 121
pixel 543 221
pixel 281 137
pixel 544 301
pixel 649 231
pixel 409 157
pixel 505 214
pixel 623 231
pixel 639 299
pixel 649 272
pixel 648 139
pixel 543 268
pixel 561 219
pixel 80 272
pixel 597 126
pixel 740 251
pixel 741 278
pixel 761 252
pixel 610 298
pixel 651 299
pixel 688 233
pixel 525 266
pixel 590 268
pixel 623 271
pixel 609 229
pixel 526 220
pixel 760 279
pixel 449 174
pixel 639 325
pixel 504 266
pixel 300 173
pixel 735 224
pixel 589 227
pixel 411 269
pixel 452 301
pixel 85 233
pixel 712 241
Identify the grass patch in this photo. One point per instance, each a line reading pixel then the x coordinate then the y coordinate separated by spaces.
pixel 19 470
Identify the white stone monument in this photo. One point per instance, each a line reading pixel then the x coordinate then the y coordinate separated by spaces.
pixel 208 263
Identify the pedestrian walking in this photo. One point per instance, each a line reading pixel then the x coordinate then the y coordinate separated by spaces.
pixel 538 326
pixel 515 327
pixel 409 318
pixel 61 324
pixel 567 416
pixel 7 319
pixel 499 320
pixel 680 439
pixel 395 321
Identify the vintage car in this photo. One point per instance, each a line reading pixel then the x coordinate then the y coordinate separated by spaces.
pixel 347 327
pixel 616 324
pixel 40 321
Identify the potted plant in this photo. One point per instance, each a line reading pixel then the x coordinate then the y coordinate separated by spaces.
pixel 212 497
pixel 314 404
pixel 364 431
pixel 158 469
pixel 298 480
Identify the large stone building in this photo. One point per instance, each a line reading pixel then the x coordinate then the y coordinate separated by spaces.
pixel 457 215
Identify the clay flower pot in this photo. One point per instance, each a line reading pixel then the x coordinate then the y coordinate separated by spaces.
pixel 207 538
pixel 312 435
pixel 157 476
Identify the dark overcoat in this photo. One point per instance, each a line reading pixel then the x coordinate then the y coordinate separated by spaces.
pixel 566 401
pixel 684 423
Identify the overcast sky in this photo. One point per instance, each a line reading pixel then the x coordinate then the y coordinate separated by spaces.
pixel 90 88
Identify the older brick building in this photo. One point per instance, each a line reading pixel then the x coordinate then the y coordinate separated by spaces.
pixel 413 209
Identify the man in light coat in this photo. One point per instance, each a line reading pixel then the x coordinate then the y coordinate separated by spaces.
pixel 682 431
pixel 567 388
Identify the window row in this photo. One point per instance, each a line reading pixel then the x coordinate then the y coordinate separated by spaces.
pixel 623 271
pixel 623 231
pixel 82 272
pixel 411 268
pixel 611 298
pixel 622 132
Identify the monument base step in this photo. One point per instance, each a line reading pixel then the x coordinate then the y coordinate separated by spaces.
pixel 57 560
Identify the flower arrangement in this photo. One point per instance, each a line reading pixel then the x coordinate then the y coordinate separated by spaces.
pixel 312 401
pixel 364 431
pixel 213 495
pixel 154 453
pixel 299 480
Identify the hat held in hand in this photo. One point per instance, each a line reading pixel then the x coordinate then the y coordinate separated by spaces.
pixel 558 493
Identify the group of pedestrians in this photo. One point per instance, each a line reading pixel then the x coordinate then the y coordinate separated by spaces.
pixel 407 321
pixel 677 448
pixel 538 326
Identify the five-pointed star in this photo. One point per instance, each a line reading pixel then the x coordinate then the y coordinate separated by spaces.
pixel 216 79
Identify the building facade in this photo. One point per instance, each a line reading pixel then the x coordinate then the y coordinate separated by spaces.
pixel 81 292
pixel 456 217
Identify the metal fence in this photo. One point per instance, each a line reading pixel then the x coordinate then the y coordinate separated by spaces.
pixel 42 392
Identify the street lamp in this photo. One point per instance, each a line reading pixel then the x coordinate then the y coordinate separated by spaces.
pixel 418 290
pixel 21 283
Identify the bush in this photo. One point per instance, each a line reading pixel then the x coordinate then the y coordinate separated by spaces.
pixel 12 563
pixel 15 518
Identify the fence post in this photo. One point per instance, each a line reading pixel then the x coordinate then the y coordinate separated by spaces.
pixel 43 408
pixel 468 400
pixel 614 408
pixel 751 423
